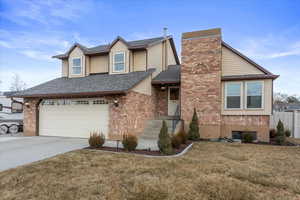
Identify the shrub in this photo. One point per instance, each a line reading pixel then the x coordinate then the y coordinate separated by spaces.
pixel 176 141
pixel 193 133
pixel 129 142
pixel 183 136
pixel 287 133
pixel 280 136
pixel 272 133
pixel 96 139
pixel 164 141
pixel 247 138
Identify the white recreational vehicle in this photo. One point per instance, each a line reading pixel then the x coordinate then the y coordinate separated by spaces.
pixel 11 114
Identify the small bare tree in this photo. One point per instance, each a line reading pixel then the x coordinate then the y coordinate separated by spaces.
pixel 17 84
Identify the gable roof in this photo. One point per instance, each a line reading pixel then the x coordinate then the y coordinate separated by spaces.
pixel 99 84
pixel 267 74
pixel 265 71
pixel 135 44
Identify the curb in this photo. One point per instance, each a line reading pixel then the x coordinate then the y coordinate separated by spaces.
pixel 148 156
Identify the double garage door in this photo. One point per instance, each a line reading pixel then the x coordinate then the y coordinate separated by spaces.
pixel 73 117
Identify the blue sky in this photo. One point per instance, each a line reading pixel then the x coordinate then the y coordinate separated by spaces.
pixel 32 31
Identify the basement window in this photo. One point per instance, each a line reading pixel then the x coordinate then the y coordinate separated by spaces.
pixel 238 135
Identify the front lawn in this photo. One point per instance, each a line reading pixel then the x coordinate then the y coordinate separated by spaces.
pixel 208 171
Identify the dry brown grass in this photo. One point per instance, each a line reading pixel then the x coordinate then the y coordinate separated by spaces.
pixel 208 171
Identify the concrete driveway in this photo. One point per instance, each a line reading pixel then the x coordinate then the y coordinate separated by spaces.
pixel 16 151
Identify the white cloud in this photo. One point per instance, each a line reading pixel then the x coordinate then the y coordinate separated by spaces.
pixel 46 12
pixel 5 44
pixel 143 35
pixel 40 45
pixel 36 55
pixel 271 46
pixel 31 79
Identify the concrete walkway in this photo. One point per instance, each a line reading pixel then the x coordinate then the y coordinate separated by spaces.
pixel 16 151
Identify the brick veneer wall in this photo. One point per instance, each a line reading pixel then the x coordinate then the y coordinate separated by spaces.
pixel 129 117
pixel 259 124
pixel 30 122
pixel 132 113
pixel 201 80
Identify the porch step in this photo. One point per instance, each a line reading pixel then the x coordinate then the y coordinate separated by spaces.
pixel 153 128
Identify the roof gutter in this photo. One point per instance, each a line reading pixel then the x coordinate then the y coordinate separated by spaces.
pixel 164 82
pixel 81 94
pixel 245 77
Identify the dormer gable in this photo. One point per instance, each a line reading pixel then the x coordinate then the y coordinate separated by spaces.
pixel 76 62
pixel 119 57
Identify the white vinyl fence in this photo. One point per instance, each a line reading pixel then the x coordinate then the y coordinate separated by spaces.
pixel 291 121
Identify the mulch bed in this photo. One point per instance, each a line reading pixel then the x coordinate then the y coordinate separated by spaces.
pixel 274 143
pixel 287 143
pixel 142 151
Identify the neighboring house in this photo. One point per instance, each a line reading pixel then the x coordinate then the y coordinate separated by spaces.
pixel 117 88
pixel 286 107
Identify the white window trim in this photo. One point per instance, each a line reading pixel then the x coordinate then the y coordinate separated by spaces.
pixel 113 62
pixel 225 96
pixel 81 66
pixel 262 95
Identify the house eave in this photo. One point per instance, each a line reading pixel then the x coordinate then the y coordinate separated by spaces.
pixel 73 95
pixel 249 77
pixel 164 82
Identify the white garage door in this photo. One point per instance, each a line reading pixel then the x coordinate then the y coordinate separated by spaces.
pixel 73 117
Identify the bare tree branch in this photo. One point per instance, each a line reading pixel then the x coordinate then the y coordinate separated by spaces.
pixel 17 83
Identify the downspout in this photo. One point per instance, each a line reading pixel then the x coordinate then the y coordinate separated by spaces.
pixel 37 115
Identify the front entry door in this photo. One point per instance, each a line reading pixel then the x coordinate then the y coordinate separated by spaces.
pixel 173 101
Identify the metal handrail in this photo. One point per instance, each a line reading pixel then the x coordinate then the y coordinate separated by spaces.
pixel 176 120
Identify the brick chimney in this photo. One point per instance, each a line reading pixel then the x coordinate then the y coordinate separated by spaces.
pixel 201 80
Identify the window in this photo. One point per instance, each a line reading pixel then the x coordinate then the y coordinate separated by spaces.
pixel 254 92
pixel 100 101
pixel 16 107
pixel 233 95
pixel 174 94
pixel 48 102
pixel 238 135
pixel 119 62
pixel 76 66
pixel 81 102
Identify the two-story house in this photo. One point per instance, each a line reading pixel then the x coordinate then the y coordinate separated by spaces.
pixel 116 88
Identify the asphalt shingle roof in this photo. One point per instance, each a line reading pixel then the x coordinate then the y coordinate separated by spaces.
pixel 105 48
pixel 171 75
pixel 93 84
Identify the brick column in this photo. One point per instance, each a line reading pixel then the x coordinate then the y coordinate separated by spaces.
pixel 201 80
pixel 30 121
